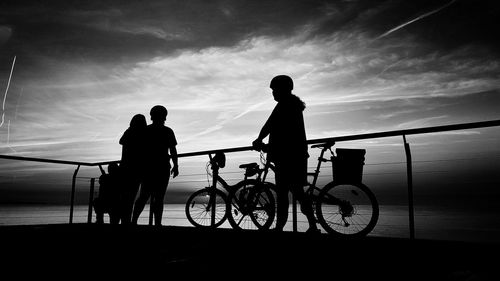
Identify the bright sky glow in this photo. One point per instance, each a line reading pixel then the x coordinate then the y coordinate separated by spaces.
pixel 75 89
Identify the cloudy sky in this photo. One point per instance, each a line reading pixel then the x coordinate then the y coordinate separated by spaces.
pixel 82 69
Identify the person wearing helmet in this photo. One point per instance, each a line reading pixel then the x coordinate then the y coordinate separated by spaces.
pixel 160 149
pixel 287 149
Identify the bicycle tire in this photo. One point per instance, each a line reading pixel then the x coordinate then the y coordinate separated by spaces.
pixel 198 212
pixel 251 205
pixel 356 216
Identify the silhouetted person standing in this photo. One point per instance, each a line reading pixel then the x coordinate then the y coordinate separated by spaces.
pixel 132 164
pixel 108 200
pixel 287 150
pixel 160 149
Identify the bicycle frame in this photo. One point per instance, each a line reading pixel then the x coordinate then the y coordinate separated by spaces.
pixel 262 174
pixel 321 159
pixel 215 166
pixel 312 186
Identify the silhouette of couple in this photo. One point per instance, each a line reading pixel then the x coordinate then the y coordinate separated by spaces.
pixel 145 162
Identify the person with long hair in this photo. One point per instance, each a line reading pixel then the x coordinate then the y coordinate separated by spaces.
pixel 287 149
pixel 132 164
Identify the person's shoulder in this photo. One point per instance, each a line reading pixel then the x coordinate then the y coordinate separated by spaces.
pixel 169 129
pixel 165 129
pixel 126 135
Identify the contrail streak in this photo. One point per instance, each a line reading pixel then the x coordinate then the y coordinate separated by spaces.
pixel 416 19
pixel 7 90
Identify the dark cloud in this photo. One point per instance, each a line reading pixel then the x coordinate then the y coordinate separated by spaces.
pixel 453 25
pixel 463 22
pixel 110 31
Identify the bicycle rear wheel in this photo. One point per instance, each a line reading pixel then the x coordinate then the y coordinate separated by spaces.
pixel 199 208
pixel 251 205
pixel 347 209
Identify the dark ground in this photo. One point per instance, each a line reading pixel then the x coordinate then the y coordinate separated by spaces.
pixel 186 253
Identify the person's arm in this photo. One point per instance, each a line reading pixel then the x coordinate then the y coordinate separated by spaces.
pixel 264 132
pixel 173 156
pixel 266 129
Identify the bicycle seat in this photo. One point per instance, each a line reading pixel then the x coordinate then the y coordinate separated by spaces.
pixel 321 145
pixel 249 165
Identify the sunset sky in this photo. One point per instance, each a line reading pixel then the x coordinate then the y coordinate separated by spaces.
pixel 84 68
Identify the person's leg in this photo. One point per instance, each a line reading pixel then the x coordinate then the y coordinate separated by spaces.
pixel 158 196
pixel 140 202
pixel 281 207
pixel 114 216
pixel 99 214
pixel 281 200
pixel 128 201
pixel 305 205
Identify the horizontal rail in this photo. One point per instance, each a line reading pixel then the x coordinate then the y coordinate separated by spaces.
pixel 424 130
pixel 46 160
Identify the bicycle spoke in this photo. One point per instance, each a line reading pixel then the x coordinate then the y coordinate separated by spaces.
pixel 204 210
pixel 355 211
pixel 250 206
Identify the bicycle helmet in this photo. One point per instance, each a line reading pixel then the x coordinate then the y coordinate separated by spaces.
pixel 158 112
pixel 283 82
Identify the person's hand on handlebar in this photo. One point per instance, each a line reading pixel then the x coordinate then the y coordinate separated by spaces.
pixel 257 144
pixel 260 146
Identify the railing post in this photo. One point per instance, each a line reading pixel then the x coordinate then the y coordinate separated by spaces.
pixel 73 194
pixel 410 188
pixel 151 214
pixel 213 194
pixel 294 213
pixel 91 198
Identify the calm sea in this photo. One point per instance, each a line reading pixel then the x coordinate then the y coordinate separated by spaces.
pixel 430 223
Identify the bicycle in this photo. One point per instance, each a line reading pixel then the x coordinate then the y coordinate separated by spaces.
pixel 208 206
pixel 345 206
pixel 251 203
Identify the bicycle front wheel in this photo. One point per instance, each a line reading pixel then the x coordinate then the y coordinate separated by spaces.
pixel 349 210
pixel 206 208
pixel 251 205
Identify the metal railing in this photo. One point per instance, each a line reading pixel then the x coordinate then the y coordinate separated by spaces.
pixel 403 133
